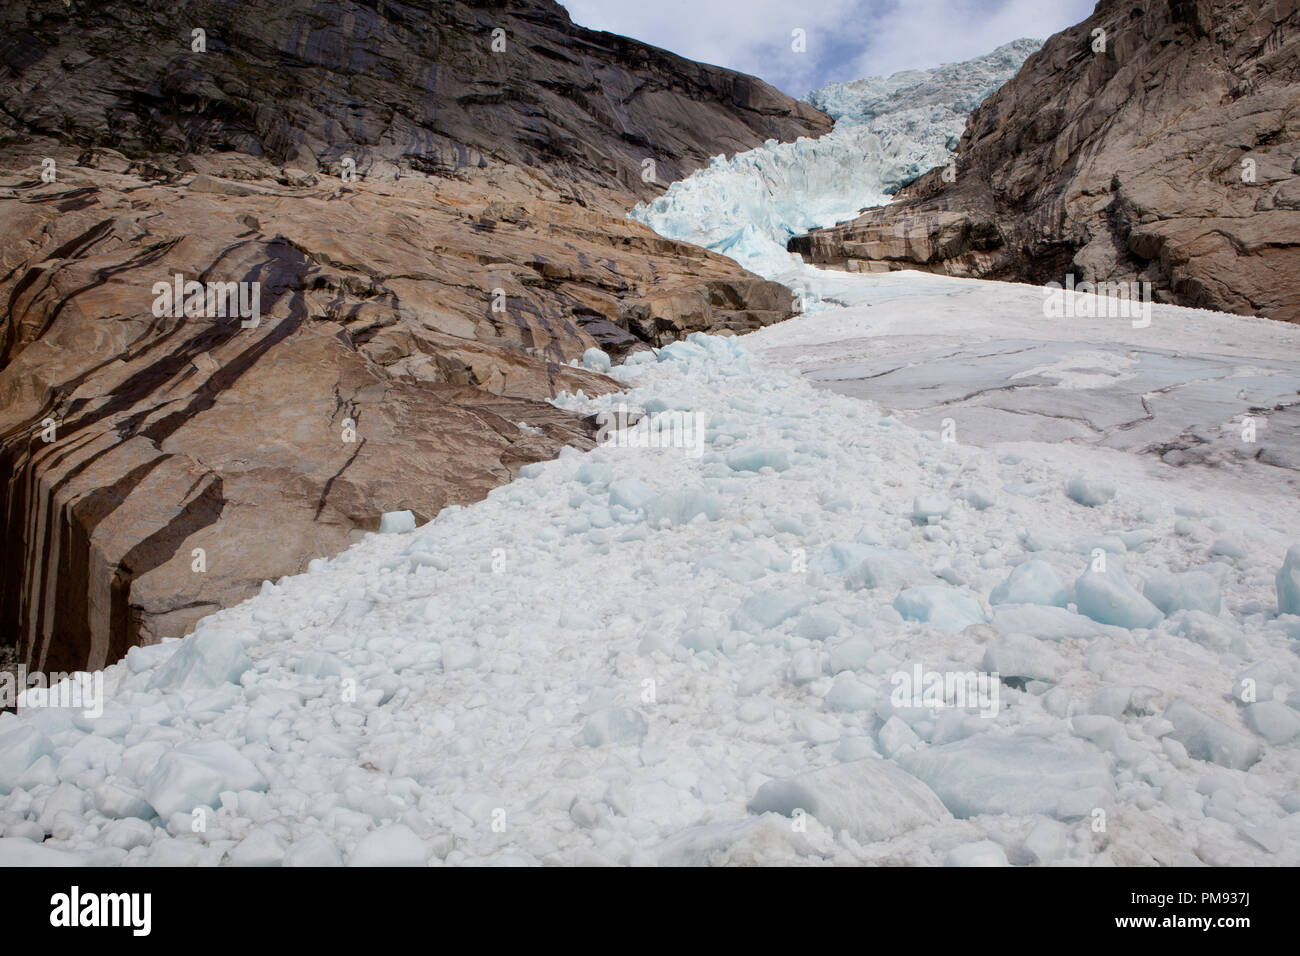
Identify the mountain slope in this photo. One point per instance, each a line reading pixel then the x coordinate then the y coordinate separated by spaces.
pixel 424 84
pixel 1169 156
pixel 414 320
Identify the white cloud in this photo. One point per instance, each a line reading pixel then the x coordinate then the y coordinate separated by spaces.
pixel 846 39
pixel 749 35
pixel 925 33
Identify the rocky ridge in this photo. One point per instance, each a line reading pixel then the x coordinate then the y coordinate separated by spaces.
pixel 1167 153
pixel 414 318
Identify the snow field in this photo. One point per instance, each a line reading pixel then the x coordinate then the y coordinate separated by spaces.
pixel 639 656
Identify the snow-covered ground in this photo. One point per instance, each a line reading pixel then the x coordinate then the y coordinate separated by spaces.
pixel 1191 386
pixel 710 653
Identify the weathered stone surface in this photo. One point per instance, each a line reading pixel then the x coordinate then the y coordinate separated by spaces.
pixel 397 87
pixel 1120 165
pixel 477 187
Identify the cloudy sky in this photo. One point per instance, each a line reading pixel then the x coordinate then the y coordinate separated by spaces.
pixel 846 39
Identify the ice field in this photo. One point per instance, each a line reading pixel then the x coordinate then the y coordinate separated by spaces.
pixel 922 576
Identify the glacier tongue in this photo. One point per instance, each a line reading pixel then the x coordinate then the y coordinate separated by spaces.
pixel 888 131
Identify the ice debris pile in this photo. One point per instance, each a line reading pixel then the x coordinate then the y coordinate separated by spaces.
pixel 888 131
pixel 757 654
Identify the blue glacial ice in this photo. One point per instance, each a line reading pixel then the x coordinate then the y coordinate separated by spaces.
pixel 888 131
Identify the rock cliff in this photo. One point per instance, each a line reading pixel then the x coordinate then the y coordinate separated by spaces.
pixel 424 205
pixel 1158 140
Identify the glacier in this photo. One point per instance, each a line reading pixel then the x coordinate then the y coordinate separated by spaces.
pixel 888 131
pixel 671 653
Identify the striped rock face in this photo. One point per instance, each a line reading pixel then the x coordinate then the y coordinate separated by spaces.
pixel 224 351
